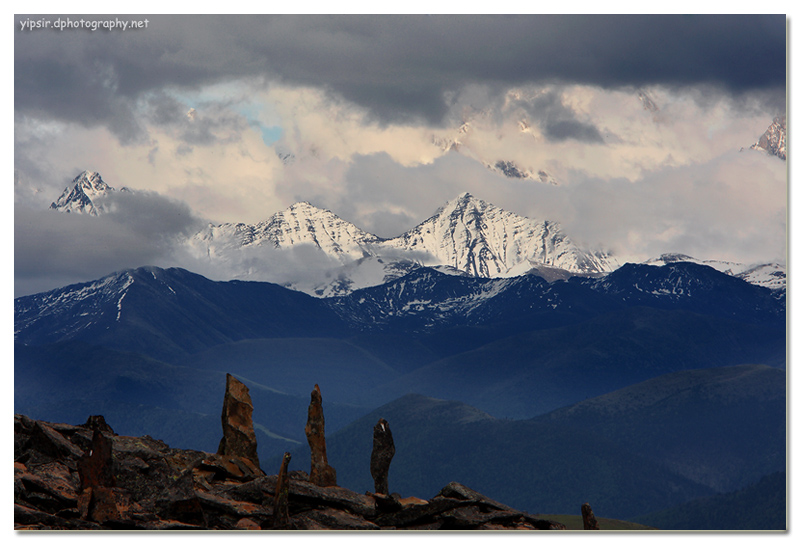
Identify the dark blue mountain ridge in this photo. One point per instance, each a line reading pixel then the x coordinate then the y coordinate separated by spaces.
pixel 164 338
pixel 693 287
pixel 427 299
pixel 169 312
pixel 532 372
pixel 625 453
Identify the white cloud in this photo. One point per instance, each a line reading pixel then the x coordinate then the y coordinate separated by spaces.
pixel 665 180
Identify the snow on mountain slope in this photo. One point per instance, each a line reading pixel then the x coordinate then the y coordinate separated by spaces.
pixel 169 312
pixel 352 276
pixel 466 234
pixel 773 141
pixel 486 241
pixel 425 296
pixel 771 275
pixel 301 223
pixel 314 251
pixel 510 169
pixel 77 307
pixel 85 195
pixel 459 142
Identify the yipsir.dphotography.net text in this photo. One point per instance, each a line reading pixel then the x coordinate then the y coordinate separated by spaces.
pixel 66 23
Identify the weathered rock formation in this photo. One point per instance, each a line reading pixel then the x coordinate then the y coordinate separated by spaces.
pixel 322 473
pixel 88 477
pixel 589 521
pixel 382 453
pixel 238 434
pixel 158 487
pixel 94 468
pixel 98 499
pixel 281 501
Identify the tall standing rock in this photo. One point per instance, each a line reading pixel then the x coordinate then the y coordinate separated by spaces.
pixel 280 505
pixel 589 521
pixel 95 468
pixel 97 500
pixel 382 453
pixel 322 474
pixel 238 435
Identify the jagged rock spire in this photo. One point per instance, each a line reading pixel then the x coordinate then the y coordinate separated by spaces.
pixel 280 507
pixel 382 453
pixel 238 434
pixel 322 474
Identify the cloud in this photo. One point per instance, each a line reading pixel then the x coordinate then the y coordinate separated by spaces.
pixel 399 68
pixel 368 106
pixel 559 122
pixel 52 249
pixel 230 177
pixel 730 208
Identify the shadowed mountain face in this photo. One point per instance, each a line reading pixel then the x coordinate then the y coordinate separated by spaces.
pixel 174 311
pixel 531 373
pixel 758 507
pixel 662 442
pixel 720 426
pixel 656 365
pixel 166 313
pixel 516 347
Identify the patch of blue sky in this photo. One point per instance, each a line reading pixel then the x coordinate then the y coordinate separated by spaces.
pixel 255 112
pixel 272 134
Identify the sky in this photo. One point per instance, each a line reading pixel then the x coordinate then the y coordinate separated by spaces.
pixel 643 122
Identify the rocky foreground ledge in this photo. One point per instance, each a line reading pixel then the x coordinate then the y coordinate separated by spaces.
pixel 88 477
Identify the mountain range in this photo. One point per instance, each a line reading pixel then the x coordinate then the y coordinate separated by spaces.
pixel 511 360
pixel 504 355
pixel 465 236
pixel 694 433
pixel 515 347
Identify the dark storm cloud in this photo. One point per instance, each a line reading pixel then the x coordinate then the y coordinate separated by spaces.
pixel 53 249
pixel 559 122
pixel 399 67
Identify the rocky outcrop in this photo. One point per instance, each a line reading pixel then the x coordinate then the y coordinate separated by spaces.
pixel 238 434
pixel 321 472
pixel 280 509
pixel 589 521
pixel 382 453
pixel 157 487
pixel 88 477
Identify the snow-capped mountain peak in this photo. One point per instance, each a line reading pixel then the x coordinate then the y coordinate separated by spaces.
pixel 80 195
pixel 484 240
pixel 512 170
pixel 304 223
pixel 773 141
pixel 770 275
pixel 300 224
pixel 329 256
pixel 85 195
pixel 466 234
